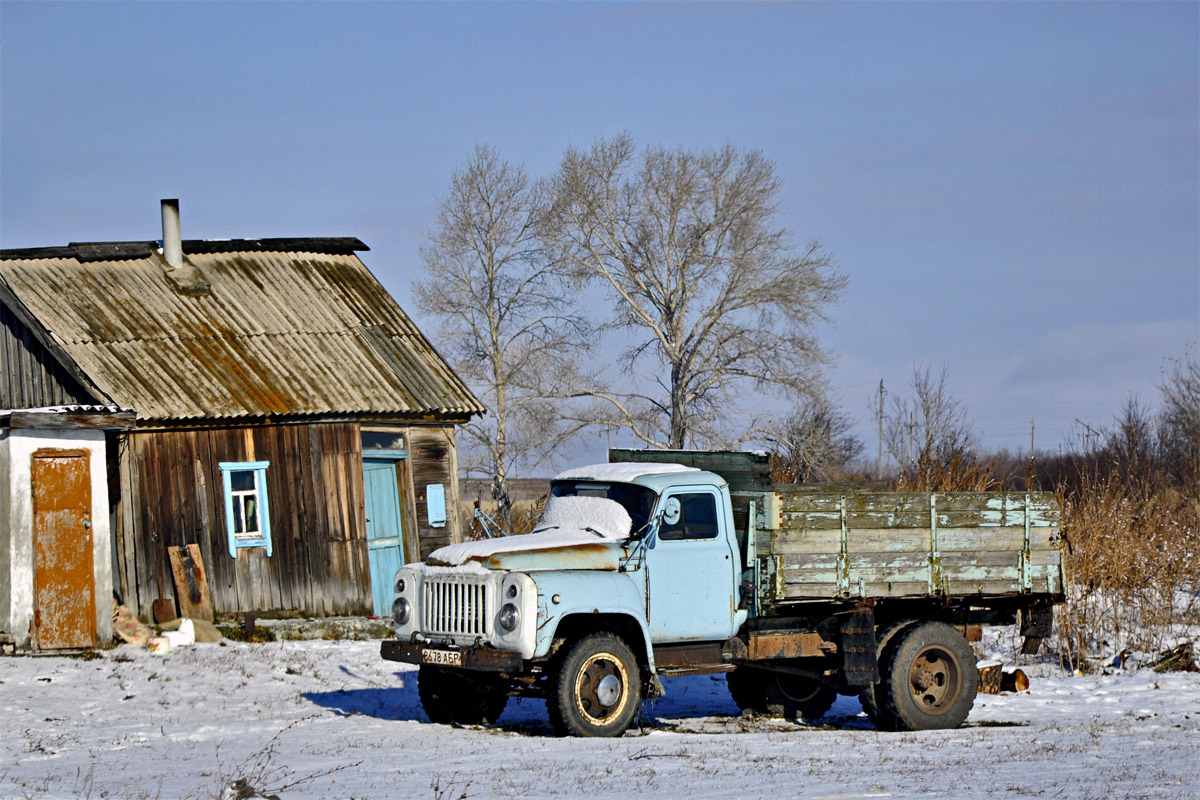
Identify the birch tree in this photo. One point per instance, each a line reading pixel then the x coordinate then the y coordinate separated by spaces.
pixel 505 320
pixel 715 299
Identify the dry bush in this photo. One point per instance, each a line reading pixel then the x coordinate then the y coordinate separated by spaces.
pixel 959 473
pixel 1132 562
pixel 522 516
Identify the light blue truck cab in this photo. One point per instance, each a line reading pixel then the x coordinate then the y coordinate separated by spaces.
pixel 636 570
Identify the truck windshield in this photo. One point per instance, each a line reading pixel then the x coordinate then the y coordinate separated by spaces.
pixel 638 501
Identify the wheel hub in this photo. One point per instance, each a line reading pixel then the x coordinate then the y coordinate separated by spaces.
pixel 608 690
pixel 601 688
pixel 923 679
pixel 933 680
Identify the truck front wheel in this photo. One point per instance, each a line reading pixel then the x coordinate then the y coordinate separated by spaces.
pixel 928 679
pixel 596 689
pixel 449 695
pixel 779 694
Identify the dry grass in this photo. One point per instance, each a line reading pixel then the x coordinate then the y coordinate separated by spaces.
pixel 960 473
pixel 1132 561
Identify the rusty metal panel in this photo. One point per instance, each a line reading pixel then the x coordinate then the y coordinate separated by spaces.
pixel 268 334
pixel 784 645
pixel 64 586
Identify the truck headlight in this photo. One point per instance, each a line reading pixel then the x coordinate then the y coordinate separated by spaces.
pixel 401 610
pixel 510 617
pixel 400 586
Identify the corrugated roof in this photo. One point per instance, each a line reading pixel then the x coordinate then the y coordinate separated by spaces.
pixel 244 329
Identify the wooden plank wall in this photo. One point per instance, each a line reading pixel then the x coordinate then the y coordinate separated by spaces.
pixel 171 494
pixel 889 543
pixel 432 459
pixel 29 376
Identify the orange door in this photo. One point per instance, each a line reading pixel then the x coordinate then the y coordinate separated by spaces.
pixel 64 584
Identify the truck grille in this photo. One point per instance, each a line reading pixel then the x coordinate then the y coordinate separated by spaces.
pixel 450 606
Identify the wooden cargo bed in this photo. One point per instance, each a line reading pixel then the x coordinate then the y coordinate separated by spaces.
pixel 823 545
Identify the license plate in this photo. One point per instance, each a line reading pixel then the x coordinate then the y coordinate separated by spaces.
pixel 449 658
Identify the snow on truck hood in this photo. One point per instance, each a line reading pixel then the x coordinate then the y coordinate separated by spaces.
pixel 588 526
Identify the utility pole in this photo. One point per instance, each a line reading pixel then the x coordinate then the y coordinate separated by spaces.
pixel 1031 423
pixel 879 419
pixel 1089 434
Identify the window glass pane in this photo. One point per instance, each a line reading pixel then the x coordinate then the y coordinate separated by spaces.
pixel 637 500
pixel 251 514
pixel 242 480
pixel 697 518
pixel 700 516
pixel 377 440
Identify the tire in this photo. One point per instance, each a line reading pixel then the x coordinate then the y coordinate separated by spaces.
pixel 595 689
pixel 746 689
pixel 778 694
pixel 929 679
pixel 451 696
pixel 868 696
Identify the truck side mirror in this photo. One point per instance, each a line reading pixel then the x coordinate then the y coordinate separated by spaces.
pixel 671 511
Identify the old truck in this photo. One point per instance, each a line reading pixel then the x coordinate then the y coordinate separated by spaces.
pixel 664 563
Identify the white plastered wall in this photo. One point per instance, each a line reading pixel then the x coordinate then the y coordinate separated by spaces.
pixel 16 534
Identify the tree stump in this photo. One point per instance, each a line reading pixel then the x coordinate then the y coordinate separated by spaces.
pixel 990 677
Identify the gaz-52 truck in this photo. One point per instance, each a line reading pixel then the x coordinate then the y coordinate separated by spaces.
pixel 664 563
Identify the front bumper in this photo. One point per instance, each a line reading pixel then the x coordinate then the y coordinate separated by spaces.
pixel 482 659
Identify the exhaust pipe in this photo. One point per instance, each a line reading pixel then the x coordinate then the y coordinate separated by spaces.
pixel 172 242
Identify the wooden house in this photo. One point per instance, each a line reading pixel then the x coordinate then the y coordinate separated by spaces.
pixel 288 418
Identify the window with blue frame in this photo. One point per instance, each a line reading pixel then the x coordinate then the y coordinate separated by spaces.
pixel 246 513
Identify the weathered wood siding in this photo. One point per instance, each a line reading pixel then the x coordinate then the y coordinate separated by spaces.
pixel 433 459
pixel 31 377
pixel 171 494
pixel 892 544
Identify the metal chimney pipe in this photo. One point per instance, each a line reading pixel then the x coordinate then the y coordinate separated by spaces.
pixel 172 243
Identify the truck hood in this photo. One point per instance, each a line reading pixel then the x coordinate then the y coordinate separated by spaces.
pixel 579 556
pixel 573 533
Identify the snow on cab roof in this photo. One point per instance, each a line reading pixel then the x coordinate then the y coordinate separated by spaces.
pixel 620 472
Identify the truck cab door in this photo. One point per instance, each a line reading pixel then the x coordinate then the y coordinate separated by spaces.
pixel 690 569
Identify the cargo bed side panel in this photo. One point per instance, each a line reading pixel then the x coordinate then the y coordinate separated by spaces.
pixel 891 544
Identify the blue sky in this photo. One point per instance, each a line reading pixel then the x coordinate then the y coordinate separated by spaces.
pixel 1012 189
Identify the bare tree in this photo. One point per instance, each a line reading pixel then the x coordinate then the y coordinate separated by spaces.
pixel 928 432
pixel 814 443
pixel 714 296
pixel 1179 423
pixel 504 321
pixel 1129 448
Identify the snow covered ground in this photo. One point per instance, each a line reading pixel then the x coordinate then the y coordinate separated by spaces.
pixel 331 719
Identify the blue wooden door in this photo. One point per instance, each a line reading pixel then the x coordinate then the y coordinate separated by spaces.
pixel 385 528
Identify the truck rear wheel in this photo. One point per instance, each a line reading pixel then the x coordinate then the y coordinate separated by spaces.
pixel 928 680
pixel 884 637
pixel 595 689
pixel 779 694
pixel 453 696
